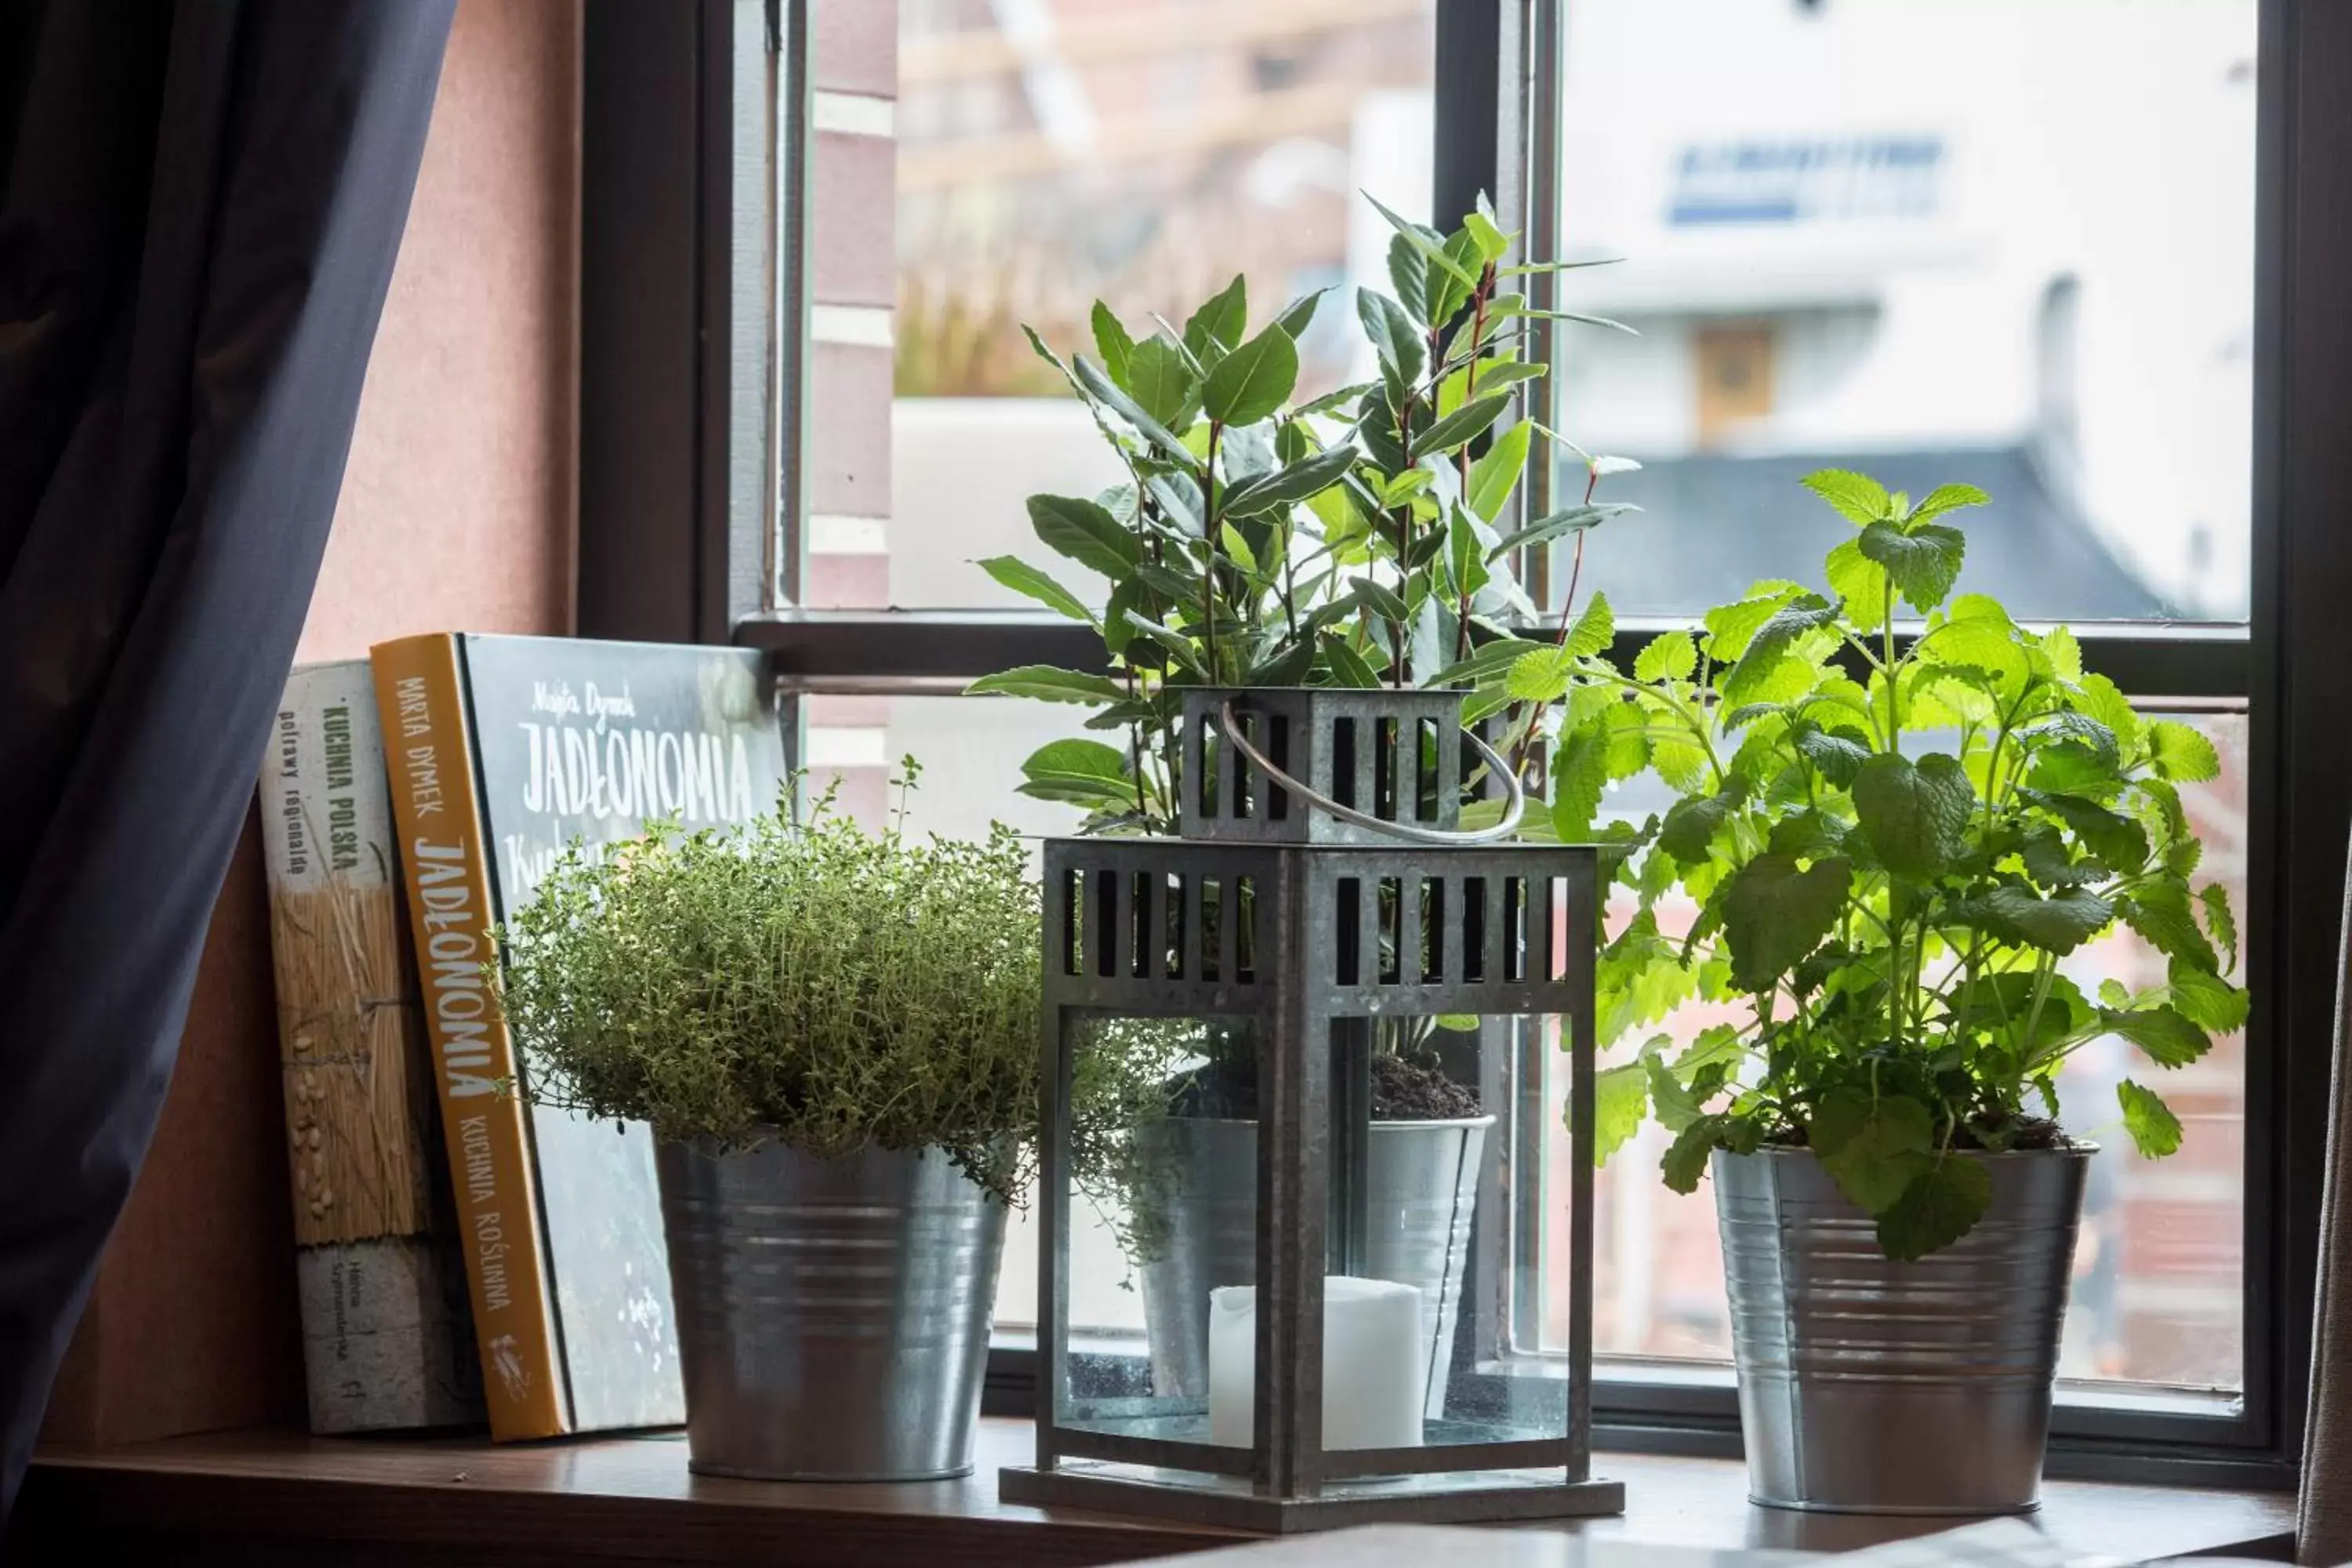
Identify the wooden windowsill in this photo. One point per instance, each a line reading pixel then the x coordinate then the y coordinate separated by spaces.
pixel 259 1497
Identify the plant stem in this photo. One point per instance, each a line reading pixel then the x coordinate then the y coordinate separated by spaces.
pixel 1209 532
pixel 1462 458
pixel 1893 676
pixel 1135 756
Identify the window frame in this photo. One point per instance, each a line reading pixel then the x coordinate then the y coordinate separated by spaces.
pixel 694 228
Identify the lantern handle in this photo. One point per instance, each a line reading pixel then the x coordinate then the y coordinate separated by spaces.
pixel 1514 806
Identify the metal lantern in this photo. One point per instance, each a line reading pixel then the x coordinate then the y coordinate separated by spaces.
pixel 1350 1319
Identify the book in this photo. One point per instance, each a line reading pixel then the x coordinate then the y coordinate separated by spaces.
pixel 387 1339
pixel 503 751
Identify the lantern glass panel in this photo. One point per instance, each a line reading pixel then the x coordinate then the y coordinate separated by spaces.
pixel 1181 1196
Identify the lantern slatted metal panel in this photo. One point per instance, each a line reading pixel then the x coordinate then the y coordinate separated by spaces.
pixel 1306 934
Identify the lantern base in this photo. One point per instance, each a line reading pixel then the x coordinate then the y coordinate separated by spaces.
pixel 1460 1497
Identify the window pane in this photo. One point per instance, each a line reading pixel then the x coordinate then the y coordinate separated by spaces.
pixel 2156 1289
pixel 1142 151
pixel 2008 242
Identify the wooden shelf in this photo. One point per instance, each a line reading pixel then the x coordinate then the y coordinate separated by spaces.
pixel 268 1496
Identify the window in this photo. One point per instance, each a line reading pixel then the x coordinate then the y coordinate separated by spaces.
pixel 2079 251
pixel 1933 243
pixel 1938 242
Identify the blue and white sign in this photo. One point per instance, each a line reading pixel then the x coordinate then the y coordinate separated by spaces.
pixel 1807 180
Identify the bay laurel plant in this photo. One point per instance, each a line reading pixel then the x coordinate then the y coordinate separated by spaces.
pixel 1350 539
pixel 1892 844
pixel 811 981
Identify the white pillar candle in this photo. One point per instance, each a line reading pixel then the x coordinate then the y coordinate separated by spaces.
pixel 1372 1353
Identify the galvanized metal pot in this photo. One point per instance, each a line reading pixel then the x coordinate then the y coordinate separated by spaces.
pixel 833 1314
pixel 1872 1386
pixel 1423 1181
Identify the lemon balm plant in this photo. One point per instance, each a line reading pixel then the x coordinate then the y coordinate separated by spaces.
pixel 1893 843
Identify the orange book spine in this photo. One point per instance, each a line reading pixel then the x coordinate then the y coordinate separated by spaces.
pixel 428 754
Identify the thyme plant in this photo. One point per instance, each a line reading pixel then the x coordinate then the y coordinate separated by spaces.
pixel 1892 844
pixel 813 982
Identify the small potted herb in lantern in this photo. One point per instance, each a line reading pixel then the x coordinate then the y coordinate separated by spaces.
pixel 1352 541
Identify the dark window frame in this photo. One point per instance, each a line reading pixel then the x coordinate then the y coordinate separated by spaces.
pixel 693 226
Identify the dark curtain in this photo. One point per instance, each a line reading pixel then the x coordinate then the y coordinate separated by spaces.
pixel 202 201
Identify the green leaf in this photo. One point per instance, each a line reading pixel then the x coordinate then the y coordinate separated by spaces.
pixel 1922 562
pixel 1381 598
pixel 1022 578
pixel 1492 241
pixel 1731 628
pixel 2181 753
pixel 1077 758
pixel 1496 474
pixel 2050 864
pixel 1685 1160
pixel 1453 277
pixel 2159 911
pixel 1047 683
pixel 1348 667
pixel 1332 402
pixel 1237 550
pixel 1858 497
pixel 1465 557
pixel 1112 343
pixel 1249 383
pixel 1489 662
pixel 2065 654
pixel 1764 652
pixel 1691 824
pixel 1860 582
pixel 2153 1127
pixel 1552 525
pixel 1677 1107
pixel 1085 534
pixel 1421 240
pixel 1873 1150
pixel 1409 276
pixel 2215 899
pixel 2169 1039
pixel 1184 650
pixel 1287 487
pixel 1620 1098
pixel 1914 816
pixel 1163 384
pixel 2099 699
pixel 2206 999
pixel 1395 340
pixel 1110 394
pixel 2058 923
pixel 1838 755
pixel 2120 844
pixel 1937 1209
pixel 1462 425
pixel 2068 728
pixel 1580 772
pixel 1299 314
pixel 1221 322
pixel 1947 498
pixel 1669 656
pixel 1594 630
pixel 1774 914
